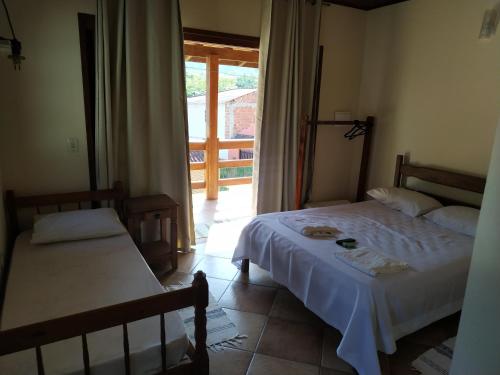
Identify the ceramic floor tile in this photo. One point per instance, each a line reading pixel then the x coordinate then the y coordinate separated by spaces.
pixel 290 340
pixel 249 324
pixel 288 307
pixel 217 267
pixel 187 261
pixel 257 276
pixel 329 358
pixel 217 287
pixel 248 297
pixel 266 365
pixel 229 362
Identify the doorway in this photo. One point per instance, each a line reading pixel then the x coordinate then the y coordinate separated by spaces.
pixel 221 86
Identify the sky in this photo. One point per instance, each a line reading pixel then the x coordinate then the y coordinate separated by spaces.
pixel 224 70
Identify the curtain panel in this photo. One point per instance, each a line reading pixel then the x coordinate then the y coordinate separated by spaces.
pixel 288 53
pixel 141 124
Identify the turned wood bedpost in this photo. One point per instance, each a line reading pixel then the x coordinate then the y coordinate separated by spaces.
pixel 397 171
pixel 200 357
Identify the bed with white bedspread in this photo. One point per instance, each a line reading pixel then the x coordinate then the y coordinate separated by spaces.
pixel 371 312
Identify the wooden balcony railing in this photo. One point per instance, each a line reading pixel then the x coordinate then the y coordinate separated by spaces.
pixel 225 144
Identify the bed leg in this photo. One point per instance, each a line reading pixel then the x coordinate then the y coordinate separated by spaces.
pixel 385 363
pixel 245 265
pixel 200 357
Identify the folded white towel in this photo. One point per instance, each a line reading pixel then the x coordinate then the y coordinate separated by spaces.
pixel 370 262
pixel 310 226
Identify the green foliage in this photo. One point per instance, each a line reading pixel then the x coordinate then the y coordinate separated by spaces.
pixel 196 84
pixel 226 83
pixel 246 82
pixel 235 172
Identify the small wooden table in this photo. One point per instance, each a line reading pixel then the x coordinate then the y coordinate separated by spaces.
pixel 160 208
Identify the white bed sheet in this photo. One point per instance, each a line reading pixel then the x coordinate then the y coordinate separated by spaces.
pixel 371 312
pixel 51 281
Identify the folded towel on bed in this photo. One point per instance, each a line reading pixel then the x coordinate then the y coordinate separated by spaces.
pixel 310 226
pixel 370 262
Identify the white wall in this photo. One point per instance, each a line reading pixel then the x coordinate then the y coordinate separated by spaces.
pixel 228 16
pixel 42 105
pixel 433 86
pixel 476 350
pixel 337 159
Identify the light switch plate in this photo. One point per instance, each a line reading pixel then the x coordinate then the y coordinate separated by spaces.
pixel 73 145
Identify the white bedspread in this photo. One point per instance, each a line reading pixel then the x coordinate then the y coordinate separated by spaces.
pixel 50 281
pixel 372 313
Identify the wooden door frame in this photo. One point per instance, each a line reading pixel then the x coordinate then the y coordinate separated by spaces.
pixel 217 49
pixel 86 27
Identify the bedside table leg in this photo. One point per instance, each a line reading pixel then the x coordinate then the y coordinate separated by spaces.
pixel 173 240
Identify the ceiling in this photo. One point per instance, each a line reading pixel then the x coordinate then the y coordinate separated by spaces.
pixel 364 4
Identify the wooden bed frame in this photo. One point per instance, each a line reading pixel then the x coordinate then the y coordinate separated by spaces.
pixel 34 336
pixel 404 170
pixel 460 181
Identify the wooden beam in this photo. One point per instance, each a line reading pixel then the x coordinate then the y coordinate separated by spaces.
pixel 226 144
pixel 223 53
pixel 364 4
pixel 212 156
pixel 235 163
pixel 198 185
pixel 215 37
pixel 235 181
pixel 245 64
pixel 196 166
pixel 197 146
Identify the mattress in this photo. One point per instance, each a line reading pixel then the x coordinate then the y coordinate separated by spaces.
pixel 371 312
pixel 55 280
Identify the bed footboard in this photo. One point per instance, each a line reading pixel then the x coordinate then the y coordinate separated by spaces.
pixel 34 336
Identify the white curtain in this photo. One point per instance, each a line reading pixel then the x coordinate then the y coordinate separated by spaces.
pixel 141 127
pixel 288 50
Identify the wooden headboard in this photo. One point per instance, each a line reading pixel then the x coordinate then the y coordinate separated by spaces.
pixel 94 199
pixel 460 181
pixel 82 199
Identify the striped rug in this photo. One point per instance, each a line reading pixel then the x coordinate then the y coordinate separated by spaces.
pixel 221 331
pixel 436 361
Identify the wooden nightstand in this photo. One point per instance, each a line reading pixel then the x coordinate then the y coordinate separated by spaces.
pixel 161 208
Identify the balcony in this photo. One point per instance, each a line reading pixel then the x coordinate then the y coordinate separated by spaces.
pixel 212 168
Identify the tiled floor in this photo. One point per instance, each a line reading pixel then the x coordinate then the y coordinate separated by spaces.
pixel 283 336
pixel 219 222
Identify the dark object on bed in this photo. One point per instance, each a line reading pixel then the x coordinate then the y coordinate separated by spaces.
pixel 33 336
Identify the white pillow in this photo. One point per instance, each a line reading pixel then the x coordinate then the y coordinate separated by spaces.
pixel 76 225
pixel 407 201
pixel 457 218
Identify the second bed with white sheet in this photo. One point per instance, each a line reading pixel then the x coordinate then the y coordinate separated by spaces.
pixel 59 279
pixel 371 312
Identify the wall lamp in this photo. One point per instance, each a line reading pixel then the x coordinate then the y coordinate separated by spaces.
pixel 12 45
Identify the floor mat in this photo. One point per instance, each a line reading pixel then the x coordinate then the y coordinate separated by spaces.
pixel 436 361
